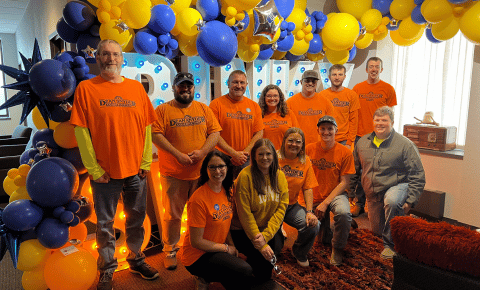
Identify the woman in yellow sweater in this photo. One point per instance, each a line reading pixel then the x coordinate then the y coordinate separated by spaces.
pixel 261 197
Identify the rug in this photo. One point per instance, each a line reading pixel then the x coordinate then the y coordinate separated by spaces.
pixel 363 268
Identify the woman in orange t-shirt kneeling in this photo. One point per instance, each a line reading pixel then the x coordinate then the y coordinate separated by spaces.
pixel 208 251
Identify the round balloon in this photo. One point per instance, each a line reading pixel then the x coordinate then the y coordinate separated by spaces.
pixel 401 9
pixel 354 7
pixel 52 80
pixel 371 19
pixel 435 11
pixel 136 13
pixel 398 40
pixel 187 20
pixel 22 215
pixel 187 44
pixel 45 135
pixel 110 30
pixel 209 9
pixel 28 155
pixel 31 255
pixel 87 45
pixel 340 32
pixel 145 42
pixel 470 22
pixel 162 20
pixel 34 280
pixel 216 43
pixel 409 29
pixel 285 7
pixel 78 15
pixel 337 57
pixel 9 185
pixel 445 29
pixel 382 5
pixel 58 113
pixel 430 37
pixel 66 32
pixel 52 233
pixel 315 57
pixel 316 45
pixel 299 47
pixel 64 135
pixel 73 156
pixel 19 193
pixel 39 122
pixel 364 41
pixel 417 16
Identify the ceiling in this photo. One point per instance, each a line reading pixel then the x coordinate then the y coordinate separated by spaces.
pixel 11 13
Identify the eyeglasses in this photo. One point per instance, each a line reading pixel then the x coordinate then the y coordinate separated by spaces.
pixel 291 141
pixel 108 54
pixel 215 167
pixel 310 80
pixel 184 75
pixel 186 86
pixel 272 96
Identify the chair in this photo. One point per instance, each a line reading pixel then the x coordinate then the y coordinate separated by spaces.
pixel 20 135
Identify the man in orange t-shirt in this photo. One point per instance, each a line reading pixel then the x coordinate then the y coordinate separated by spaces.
pixel 333 165
pixel 241 121
pixel 185 132
pixel 308 106
pixel 112 117
pixel 346 104
pixel 373 94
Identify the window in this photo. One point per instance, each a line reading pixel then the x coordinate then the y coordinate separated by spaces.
pixel 434 77
pixel 3 92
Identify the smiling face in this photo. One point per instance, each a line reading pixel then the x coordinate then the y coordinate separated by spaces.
pixel 337 76
pixel 374 68
pixel 327 132
pixel 217 169
pixel 293 145
pixel 309 85
pixel 184 92
pixel 264 158
pixel 110 59
pixel 272 98
pixel 382 125
pixel 237 85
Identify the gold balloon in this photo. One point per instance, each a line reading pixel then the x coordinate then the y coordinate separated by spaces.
pixel 470 23
pixel 337 57
pixel 242 4
pixel 39 122
pixel 446 29
pixel 187 44
pixel 177 6
pixel 354 7
pixel 299 47
pixel 278 54
pixel 398 40
pixel 409 29
pixel 246 52
pixel 435 11
pixel 401 9
pixel 136 13
pixel 298 17
pixel 315 57
pixel 371 19
pixel 340 32
pixel 64 135
pixel 110 30
pixel 379 36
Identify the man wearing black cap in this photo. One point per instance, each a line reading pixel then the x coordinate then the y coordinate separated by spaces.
pixel 185 132
pixel 333 164
pixel 308 106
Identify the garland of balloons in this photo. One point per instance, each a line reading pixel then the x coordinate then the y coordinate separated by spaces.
pixel 219 30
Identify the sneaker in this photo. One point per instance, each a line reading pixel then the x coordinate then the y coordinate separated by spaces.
pixel 387 253
pixel 337 257
pixel 145 270
pixel 301 263
pixel 170 261
pixel 105 282
pixel 200 283
pixel 356 210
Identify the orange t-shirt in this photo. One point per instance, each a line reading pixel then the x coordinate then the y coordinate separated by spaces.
pixel 208 210
pixel 299 176
pixel 308 111
pixel 329 166
pixel 371 98
pixel 239 120
pixel 276 126
pixel 346 106
pixel 116 115
pixel 186 129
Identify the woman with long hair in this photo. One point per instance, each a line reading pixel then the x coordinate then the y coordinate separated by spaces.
pixel 301 179
pixel 208 251
pixel 261 198
pixel 276 116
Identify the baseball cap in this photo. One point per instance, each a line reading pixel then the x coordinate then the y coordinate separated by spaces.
pixel 312 74
pixel 327 119
pixel 183 77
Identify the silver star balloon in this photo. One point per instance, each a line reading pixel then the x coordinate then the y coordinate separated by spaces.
pixel 170 1
pixel 67 107
pixel 265 20
pixel 307 21
pixel 123 26
pixel 89 52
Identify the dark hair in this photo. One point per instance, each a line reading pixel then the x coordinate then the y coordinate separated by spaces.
pixel 301 154
pixel 228 181
pixel 258 178
pixel 282 107
pixel 375 58
pixel 336 67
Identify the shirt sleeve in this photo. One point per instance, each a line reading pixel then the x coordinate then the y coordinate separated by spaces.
pixel 158 126
pixel 276 219
pixel 258 122
pixel 212 122
pixel 310 179
pixel 392 97
pixel 87 152
pixel 147 150
pixel 196 214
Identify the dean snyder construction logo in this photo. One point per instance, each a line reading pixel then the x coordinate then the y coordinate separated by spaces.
pixel 275 123
pixel 323 164
pixel 187 121
pixel 292 172
pixel 370 96
pixel 239 115
pixel 310 112
pixel 337 103
pixel 117 102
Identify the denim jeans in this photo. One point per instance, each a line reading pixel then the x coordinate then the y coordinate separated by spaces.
pixel 105 198
pixel 380 213
pixel 342 220
pixel 295 216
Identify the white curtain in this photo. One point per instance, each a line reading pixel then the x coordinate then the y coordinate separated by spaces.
pixel 433 77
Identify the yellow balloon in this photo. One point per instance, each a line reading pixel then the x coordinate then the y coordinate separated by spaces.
pixel 435 11
pixel 300 4
pixel 31 255
pixel 401 9
pixel 354 7
pixel 64 135
pixel 371 19
pixel 186 21
pixel 20 193
pixel 23 169
pixel 136 13
pixel 12 173
pixel 409 29
pixel 379 36
pixel 316 56
pixel 129 46
pixel 245 52
pixel 242 4
pixel 298 17
pixel 398 40
pixel 340 32
pixel 337 57
pixel 470 22
pixel 39 122
pixel 110 30
pixel 96 3
pixel 278 54
pixel 9 185
pixel 103 16
pixel 446 29
pixel 20 180
pixel 299 47
pixel 187 44
pixel 34 280
pixel 177 6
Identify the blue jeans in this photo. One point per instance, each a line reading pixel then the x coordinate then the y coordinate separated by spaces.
pixel 380 213
pixel 342 220
pixel 105 198
pixel 359 192
pixel 295 216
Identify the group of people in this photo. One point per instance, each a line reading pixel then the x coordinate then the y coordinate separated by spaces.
pixel 242 168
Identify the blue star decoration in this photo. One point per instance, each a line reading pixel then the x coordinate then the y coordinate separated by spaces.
pixel 26 96
pixel 9 240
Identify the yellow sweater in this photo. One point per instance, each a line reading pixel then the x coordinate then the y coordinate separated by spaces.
pixel 260 213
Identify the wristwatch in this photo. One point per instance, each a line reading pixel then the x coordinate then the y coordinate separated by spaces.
pixel 309 211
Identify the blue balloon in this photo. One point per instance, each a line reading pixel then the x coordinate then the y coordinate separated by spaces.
pixel 162 19
pixel 52 182
pixel 172 44
pixel 352 53
pixel 316 44
pixel 145 42
pixel 420 2
pixel 86 209
pixel 22 214
pixel 66 32
pixel 95 30
pixel 265 53
pixel 52 80
pixel 86 43
pixel 292 57
pixel 52 233
pixel 163 39
pixel 417 16
pixel 430 37
pixel 66 217
pixel 73 206
pixel 45 135
pixel 285 7
pixel 286 44
pixel 382 5
pixel 27 156
pixel 209 9
pixel 242 24
pixel 456 1
pixel 66 57
pixel 57 212
pixel 57 111
pixel 171 53
pixel 216 43
pixel 73 156
pixel 78 15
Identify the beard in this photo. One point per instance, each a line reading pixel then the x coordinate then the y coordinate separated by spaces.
pixel 117 69
pixel 185 98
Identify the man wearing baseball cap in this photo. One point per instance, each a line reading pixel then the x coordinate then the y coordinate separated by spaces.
pixel 333 164
pixel 308 106
pixel 185 132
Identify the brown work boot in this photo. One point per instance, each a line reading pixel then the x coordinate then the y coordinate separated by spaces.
pixel 337 257
pixel 170 261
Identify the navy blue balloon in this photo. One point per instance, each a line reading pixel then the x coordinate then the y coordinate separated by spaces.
pixel 457 1
pixel 74 222
pixel 285 7
pixel 292 57
pixel 87 77
pixel 45 135
pixel 22 214
pixel 73 156
pixel 58 113
pixel 86 209
pixel 78 15
pixel 66 56
pixel 430 37
pixel 209 9
pixel 417 16
pixel 162 19
pixel 265 53
pixel 171 53
pixel 87 40
pixel 52 182
pixel 73 206
pixel 286 44
pixel 52 233
pixel 94 30
pixel 67 217
pixel 382 5
pixel 28 156
pixel 52 80
pixel 66 32
pixel 316 44
pixel 352 53
pixel 420 2
pixel 216 43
